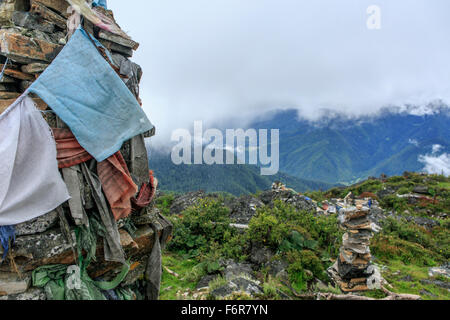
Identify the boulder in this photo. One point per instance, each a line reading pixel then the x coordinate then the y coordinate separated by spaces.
pixel 238 285
pixel 424 292
pixel 183 202
pixel 204 282
pixel 33 294
pixel 424 222
pixel 437 283
pixel 300 202
pixel 277 268
pixel 233 270
pixel 443 271
pixel 388 191
pixel 244 209
pixel 421 190
pixel 377 215
pixel 239 280
pixel 260 254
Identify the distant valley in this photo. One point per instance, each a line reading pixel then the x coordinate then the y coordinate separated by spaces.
pixel 319 155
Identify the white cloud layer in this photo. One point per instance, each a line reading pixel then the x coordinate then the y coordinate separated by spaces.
pixel 218 59
pixel 436 164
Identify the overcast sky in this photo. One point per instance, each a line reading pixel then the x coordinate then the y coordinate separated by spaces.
pixel 215 59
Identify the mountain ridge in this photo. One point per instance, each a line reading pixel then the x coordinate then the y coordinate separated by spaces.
pixel 233 179
pixel 346 151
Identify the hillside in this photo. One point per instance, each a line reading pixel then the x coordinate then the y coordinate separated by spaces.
pixel 339 150
pixel 234 179
pixel 285 248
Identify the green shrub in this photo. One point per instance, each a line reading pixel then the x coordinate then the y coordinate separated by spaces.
pixel 270 289
pixel 296 241
pixel 436 240
pixel 395 179
pixel 164 203
pixel 275 227
pixel 299 263
pixel 372 186
pixel 235 248
pixel 388 248
pixel 199 227
pixel 403 190
pixel 267 229
pixel 316 195
pixel 395 203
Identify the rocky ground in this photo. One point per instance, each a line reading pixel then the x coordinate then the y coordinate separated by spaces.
pixel 410 247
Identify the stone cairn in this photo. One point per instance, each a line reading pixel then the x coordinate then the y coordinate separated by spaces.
pixel 354 271
pixel 32 33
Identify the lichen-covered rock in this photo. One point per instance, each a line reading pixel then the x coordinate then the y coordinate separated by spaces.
pixel 38 225
pixel 443 271
pixel 300 202
pixel 422 190
pixel 234 269
pixel 204 282
pixel 377 215
pixel 260 254
pixel 33 294
pixel 442 284
pixel 238 285
pixel 424 222
pixel 27 20
pixel 137 272
pixel 388 191
pixel 183 202
pixel 244 209
pixel 36 250
pixel 148 218
pixel 277 268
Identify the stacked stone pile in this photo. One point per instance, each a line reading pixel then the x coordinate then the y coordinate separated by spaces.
pixel 353 270
pixel 32 33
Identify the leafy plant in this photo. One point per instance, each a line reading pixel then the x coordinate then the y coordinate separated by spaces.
pixel 199 227
pixel 296 241
pixel 304 266
pixel 164 203
pixel 273 226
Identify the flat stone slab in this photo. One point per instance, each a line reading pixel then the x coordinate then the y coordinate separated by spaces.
pixel 38 225
pixel 26 50
pixel 11 283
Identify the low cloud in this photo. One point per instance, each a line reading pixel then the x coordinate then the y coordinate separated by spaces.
pixel 414 142
pixel 224 60
pixel 435 163
pixel 437 148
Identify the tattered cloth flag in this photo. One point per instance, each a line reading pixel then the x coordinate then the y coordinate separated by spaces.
pixel 30 183
pixel 116 180
pixel 146 194
pixel 100 3
pixel 97 18
pixel 88 95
